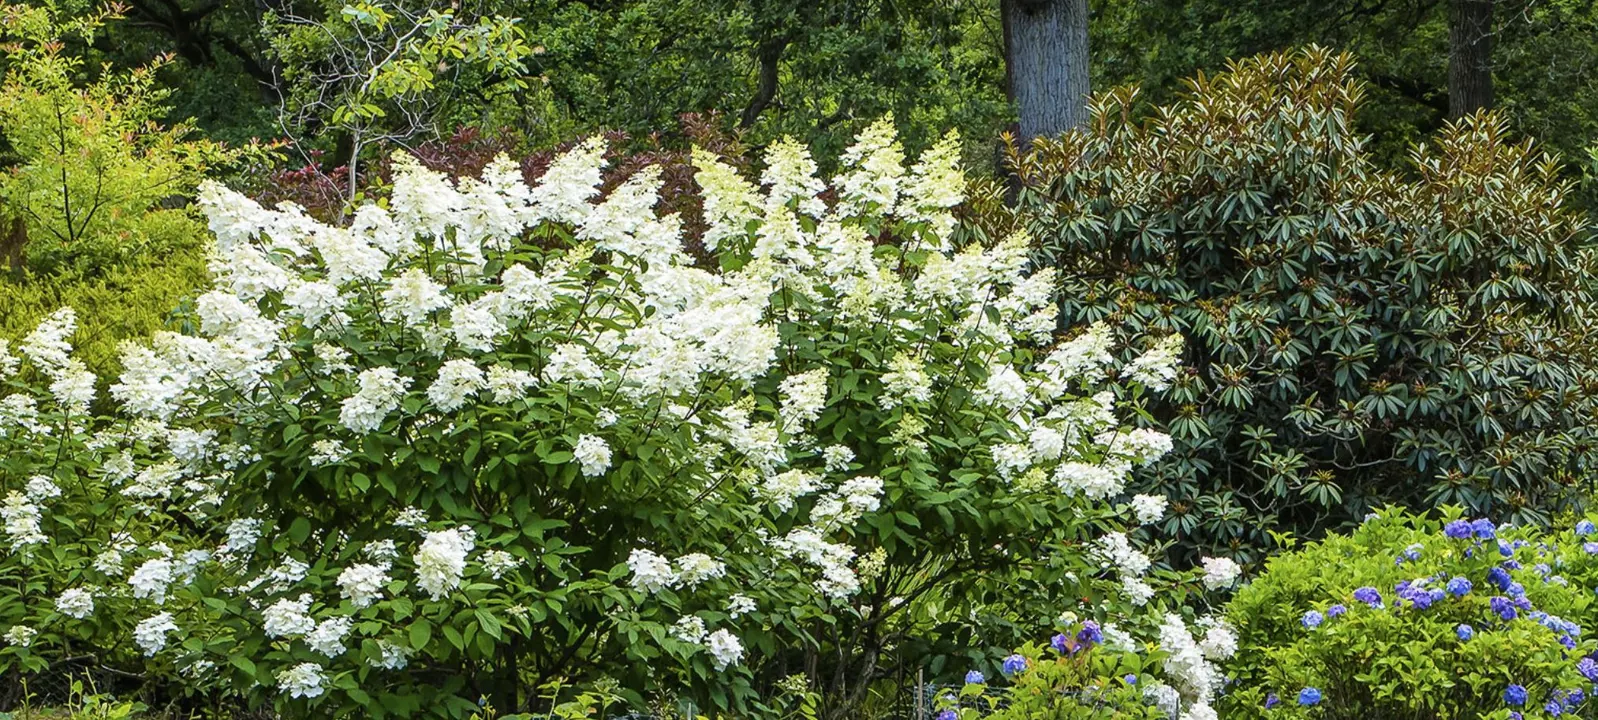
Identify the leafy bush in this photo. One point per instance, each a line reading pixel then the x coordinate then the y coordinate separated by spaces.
pixel 1354 336
pixel 1408 617
pixel 133 298
pixel 492 439
pixel 88 166
pixel 1084 672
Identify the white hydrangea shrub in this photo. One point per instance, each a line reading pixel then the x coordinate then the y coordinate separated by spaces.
pixel 513 429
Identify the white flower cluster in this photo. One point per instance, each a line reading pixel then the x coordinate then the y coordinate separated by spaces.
pixel 422 317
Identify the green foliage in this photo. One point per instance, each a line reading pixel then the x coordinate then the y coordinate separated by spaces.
pixel 129 299
pixel 89 166
pixel 1400 660
pixel 1355 336
pixel 1089 684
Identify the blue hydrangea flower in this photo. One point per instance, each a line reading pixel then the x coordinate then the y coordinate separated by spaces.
pixel 1511 564
pixel 1271 701
pixel 1503 607
pixel 1130 679
pixel 1484 528
pixel 1458 529
pixel 1090 634
pixel 1590 547
pixel 1575 697
pixel 1459 587
pixel 1464 632
pixel 1312 619
pixel 1013 665
pixel 1554 708
pixel 1522 602
pixel 1588 669
pixel 1515 695
pixel 1412 552
pixel 1586 527
pixel 975 678
pixel 1060 644
pixel 1336 611
pixel 1499 577
pixel 1370 596
pixel 1505 550
pixel 1309 696
pixel 1515 590
pixel 948 715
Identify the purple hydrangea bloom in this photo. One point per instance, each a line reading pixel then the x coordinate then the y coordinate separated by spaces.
pixel 1336 611
pixel 1588 669
pixel 1576 697
pixel 975 678
pixel 1370 596
pixel 1503 607
pixel 948 715
pixel 1512 565
pixel 1464 632
pixel 1013 665
pixel 1522 602
pixel 1458 529
pixel 1459 587
pixel 1271 701
pixel 1312 620
pixel 1590 547
pixel 1499 577
pixel 1060 644
pixel 1090 634
pixel 1484 528
pixel 1554 708
pixel 1515 695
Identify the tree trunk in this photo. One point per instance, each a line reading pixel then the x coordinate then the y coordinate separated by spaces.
pixel 1470 56
pixel 1046 64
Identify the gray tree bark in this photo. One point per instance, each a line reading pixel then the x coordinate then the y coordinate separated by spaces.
pixel 1470 56
pixel 1046 64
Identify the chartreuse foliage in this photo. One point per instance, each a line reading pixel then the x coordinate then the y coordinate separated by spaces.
pixel 1404 618
pixel 494 438
pixel 86 201
pixel 1354 336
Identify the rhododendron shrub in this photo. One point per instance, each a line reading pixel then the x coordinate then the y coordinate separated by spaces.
pixel 491 436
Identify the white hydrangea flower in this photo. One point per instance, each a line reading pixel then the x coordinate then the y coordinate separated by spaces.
pixel 151 579
pixel 1148 508
pixel 594 455
pixel 75 603
pixel 362 583
pixel 442 560
pixel 1220 573
pixel 305 680
pixel 380 393
pixel 22 522
pixel 458 380
pixel 725 649
pixel 328 636
pixel 20 635
pixel 392 656
pixel 150 634
pixel 328 451
pixel 803 396
pixel 288 617
pixel 695 568
pixel 499 562
pixel 413 296
pixel 690 629
pixel 651 572
pixel 739 605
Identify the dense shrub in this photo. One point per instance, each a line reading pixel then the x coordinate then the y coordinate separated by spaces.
pixel 494 439
pixel 1409 617
pixel 1354 336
